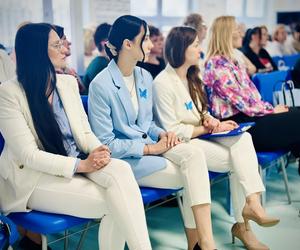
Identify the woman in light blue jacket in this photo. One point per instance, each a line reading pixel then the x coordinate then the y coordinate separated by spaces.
pixel 120 113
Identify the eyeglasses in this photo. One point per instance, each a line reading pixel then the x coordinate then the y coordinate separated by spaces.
pixel 58 46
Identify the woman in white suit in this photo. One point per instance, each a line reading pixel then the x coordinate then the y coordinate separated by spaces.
pixel 181 106
pixel 120 113
pixel 51 160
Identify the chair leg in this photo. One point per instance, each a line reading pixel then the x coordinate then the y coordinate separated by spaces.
pixel 83 234
pixel 66 240
pixel 44 242
pixel 180 205
pixel 286 182
pixel 263 177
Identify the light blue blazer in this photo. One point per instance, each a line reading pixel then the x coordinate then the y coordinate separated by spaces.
pixel 114 120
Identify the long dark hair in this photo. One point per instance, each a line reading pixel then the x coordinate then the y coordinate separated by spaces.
pixel 248 35
pixel 178 40
pixel 37 76
pixel 125 27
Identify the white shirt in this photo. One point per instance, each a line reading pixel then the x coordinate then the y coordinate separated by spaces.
pixel 130 84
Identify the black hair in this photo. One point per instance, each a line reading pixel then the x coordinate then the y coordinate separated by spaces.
pixel 248 35
pixel 101 34
pixel 154 31
pixel 59 30
pixel 125 27
pixel 37 76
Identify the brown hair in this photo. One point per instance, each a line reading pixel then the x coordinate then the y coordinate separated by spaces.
pixel 177 42
pixel 194 20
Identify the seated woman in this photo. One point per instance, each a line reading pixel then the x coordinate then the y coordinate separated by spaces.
pixel 253 44
pixel 51 161
pixel 233 95
pixel 180 105
pixel 120 112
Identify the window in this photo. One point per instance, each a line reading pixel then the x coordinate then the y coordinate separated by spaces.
pixel 175 8
pixel 143 8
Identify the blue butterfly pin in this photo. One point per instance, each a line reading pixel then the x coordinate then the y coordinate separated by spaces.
pixel 143 93
pixel 189 105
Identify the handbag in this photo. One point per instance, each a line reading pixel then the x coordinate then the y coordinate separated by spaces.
pixel 287 95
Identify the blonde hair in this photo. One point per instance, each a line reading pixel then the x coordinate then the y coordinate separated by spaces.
pixel 220 40
pixel 276 31
pixel 88 38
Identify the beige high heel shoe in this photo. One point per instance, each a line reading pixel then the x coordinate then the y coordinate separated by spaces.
pixel 246 236
pixel 249 214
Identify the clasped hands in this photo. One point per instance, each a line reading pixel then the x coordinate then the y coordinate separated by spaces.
pixel 213 125
pixel 96 160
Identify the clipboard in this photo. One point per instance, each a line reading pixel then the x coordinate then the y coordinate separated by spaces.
pixel 237 131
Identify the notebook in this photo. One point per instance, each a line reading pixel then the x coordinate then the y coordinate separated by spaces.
pixel 239 130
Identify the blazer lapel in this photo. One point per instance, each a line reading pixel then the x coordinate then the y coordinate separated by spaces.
pixel 122 92
pixel 181 91
pixel 69 103
pixel 142 96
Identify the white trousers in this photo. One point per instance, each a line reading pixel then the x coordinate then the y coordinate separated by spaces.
pixel 188 165
pixel 111 192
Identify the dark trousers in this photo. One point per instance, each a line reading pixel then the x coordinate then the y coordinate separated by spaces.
pixel 275 131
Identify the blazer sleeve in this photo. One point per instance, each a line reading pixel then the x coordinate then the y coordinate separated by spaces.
pixel 92 140
pixel 164 105
pixel 20 138
pixel 102 124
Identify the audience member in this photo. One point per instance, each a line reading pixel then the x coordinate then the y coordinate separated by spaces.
pixel 67 70
pixel 233 95
pixel 155 62
pixel 278 46
pixel 90 51
pixel 101 61
pixel 51 161
pixel 120 112
pixel 181 107
pixel 253 48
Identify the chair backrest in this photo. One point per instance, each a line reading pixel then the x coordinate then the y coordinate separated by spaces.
pixel 266 82
pixel 1 143
pixel 84 99
pixel 290 60
pixel 278 60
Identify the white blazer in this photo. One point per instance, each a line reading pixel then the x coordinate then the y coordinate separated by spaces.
pixel 173 106
pixel 23 160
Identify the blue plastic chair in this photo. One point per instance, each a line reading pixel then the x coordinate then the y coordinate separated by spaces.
pixel 46 223
pixel 290 60
pixel 268 159
pixel 279 61
pixel 266 83
pixel 8 232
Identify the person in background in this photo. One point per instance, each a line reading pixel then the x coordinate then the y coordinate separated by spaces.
pixel 155 62
pixel 239 55
pixel 67 70
pixel 90 51
pixel 278 46
pixel 101 61
pixel 296 74
pixel 294 40
pixel 196 21
pixel 232 95
pixel 7 66
pixel 253 47
pixel 51 161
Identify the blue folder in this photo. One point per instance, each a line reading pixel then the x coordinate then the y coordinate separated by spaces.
pixel 239 130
